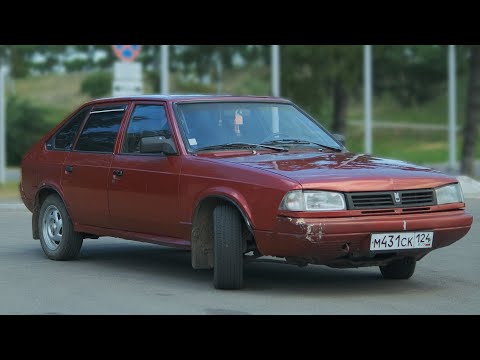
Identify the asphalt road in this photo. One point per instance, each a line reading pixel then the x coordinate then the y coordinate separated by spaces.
pixel 116 276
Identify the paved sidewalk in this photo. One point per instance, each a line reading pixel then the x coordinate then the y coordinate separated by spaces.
pixel 444 167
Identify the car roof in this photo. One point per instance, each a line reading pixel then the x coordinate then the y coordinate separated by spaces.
pixel 190 97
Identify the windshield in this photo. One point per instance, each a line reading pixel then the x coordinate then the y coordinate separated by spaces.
pixel 210 124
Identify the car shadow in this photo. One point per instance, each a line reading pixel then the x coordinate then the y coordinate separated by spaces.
pixel 262 278
pixel 325 281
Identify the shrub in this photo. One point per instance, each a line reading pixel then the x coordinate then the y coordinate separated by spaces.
pixel 97 84
pixel 152 79
pixel 26 124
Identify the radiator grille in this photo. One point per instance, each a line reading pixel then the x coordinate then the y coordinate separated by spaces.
pixel 371 200
pixel 391 199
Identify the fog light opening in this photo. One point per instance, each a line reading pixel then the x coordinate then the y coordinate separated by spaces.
pixel 346 248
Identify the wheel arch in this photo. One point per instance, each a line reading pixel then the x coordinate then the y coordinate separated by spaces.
pixel 202 227
pixel 42 193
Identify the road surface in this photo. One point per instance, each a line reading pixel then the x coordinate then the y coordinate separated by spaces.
pixel 116 276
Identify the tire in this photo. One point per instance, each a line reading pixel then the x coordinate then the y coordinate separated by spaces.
pixel 58 240
pixel 400 269
pixel 228 248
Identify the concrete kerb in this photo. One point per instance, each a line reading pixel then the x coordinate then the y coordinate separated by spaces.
pixel 470 187
pixel 11 206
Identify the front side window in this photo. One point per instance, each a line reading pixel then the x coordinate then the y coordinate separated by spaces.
pixel 100 131
pixel 63 139
pixel 146 121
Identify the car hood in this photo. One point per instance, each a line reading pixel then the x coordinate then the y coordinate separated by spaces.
pixel 345 171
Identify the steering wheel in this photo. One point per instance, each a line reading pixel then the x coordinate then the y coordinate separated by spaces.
pixel 276 136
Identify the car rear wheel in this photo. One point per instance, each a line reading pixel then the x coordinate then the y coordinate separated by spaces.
pixel 399 269
pixel 228 248
pixel 58 240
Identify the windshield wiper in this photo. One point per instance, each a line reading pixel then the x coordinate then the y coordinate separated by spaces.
pixel 296 141
pixel 240 146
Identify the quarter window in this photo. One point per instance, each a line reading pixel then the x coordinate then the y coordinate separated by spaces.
pixel 100 131
pixel 146 121
pixel 64 139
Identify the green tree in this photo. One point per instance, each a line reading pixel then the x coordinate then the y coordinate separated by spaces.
pixel 20 60
pixel 204 60
pixel 313 75
pixel 4 53
pixel 413 74
pixel 470 130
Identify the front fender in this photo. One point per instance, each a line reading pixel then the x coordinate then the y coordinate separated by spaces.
pixel 231 195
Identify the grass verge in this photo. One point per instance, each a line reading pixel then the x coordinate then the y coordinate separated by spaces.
pixel 420 147
pixel 9 191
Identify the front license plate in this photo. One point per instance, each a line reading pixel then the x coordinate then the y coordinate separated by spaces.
pixel 402 240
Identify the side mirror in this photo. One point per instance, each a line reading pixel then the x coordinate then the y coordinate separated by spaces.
pixel 157 144
pixel 340 138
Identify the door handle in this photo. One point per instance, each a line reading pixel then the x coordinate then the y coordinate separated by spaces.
pixel 69 169
pixel 118 172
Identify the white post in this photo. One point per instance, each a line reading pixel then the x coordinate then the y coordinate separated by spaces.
pixel 275 120
pixel 219 67
pixel 367 82
pixel 3 137
pixel 275 60
pixel 452 107
pixel 164 71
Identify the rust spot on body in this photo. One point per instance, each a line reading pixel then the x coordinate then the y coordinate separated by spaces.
pixel 314 233
pixel 300 222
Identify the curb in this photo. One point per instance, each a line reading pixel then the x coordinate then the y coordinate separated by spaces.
pixel 470 187
pixel 12 207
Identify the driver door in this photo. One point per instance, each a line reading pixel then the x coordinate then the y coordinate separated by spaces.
pixel 143 191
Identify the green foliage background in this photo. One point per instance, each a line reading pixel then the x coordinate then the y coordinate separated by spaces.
pixel 410 85
pixel 26 124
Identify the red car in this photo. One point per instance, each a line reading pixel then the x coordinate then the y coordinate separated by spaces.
pixel 232 179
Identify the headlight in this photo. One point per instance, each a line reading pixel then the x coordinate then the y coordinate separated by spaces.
pixel 298 200
pixel 449 194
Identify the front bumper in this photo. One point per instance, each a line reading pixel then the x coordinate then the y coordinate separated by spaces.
pixel 326 240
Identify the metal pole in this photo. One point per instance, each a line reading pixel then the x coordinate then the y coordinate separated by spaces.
pixel 367 82
pixel 452 107
pixel 164 71
pixel 275 57
pixel 219 66
pixel 3 138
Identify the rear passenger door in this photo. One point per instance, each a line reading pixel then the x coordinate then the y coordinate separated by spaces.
pixel 143 187
pixel 86 169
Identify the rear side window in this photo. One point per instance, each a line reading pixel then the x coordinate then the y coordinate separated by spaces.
pixel 100 131
pixel 63 139
pixel 146 121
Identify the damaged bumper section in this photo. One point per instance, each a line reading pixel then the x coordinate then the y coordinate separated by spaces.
pixel 345 242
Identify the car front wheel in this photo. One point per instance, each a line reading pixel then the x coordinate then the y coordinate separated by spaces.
pixel 399 269
pixel 58 240
pixel 228 248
